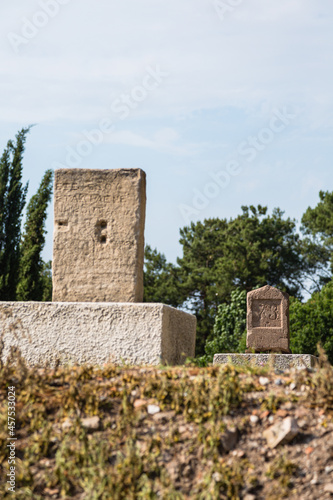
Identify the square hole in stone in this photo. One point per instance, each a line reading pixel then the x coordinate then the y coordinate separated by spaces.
pixel 62 223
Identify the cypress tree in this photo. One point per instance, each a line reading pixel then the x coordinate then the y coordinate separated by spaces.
pixel 4 175
pixel 12 201
pixel 33 283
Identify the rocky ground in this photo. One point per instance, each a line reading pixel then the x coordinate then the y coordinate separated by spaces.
pixel 168 433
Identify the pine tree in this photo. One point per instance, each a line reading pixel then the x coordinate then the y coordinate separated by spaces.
pixel 317 224
pixel 12 201
pixel 32 278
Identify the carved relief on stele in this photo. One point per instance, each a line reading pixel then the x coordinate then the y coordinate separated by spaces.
pixel 268 320
pixel 98 243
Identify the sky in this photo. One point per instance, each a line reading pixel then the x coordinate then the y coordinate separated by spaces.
pixel 222 103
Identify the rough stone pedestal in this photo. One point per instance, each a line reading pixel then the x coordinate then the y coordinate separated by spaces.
pixel 97 333
pixel 279 361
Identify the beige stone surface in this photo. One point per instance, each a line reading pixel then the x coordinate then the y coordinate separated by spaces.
pixel 96 333
pixel 278 361
pixel 268 320
pixel 98 243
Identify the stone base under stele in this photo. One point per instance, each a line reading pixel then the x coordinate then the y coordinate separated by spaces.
pixel 277 361
pixel 97 333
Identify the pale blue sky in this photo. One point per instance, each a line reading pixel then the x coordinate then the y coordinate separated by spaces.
pixel 196 90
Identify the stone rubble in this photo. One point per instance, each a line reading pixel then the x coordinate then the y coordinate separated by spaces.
pixel 282 432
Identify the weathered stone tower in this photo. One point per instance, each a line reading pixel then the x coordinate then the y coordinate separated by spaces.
pixel 98 243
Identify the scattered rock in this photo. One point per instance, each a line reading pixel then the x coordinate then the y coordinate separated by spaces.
pixel 143 446
pixel 302 424
pixel 229 439
pixel 239 453
pixel 164 416
pixel 278 381
pixel 173 469
pixel 301 412
pixel 282 432
pixel 328 469
pixel 315 480
pixel 138 403
pixel 308 450
pixel 67 424
pixel 187 471
pixel 51 492
pixel 282 413
pixel 249 497
pixel 217 477
pixel 263 380
pixel 292 386
pixel 45 462
pixel 91 423
pixel 328 488
pixel 254 419
pixel 153 409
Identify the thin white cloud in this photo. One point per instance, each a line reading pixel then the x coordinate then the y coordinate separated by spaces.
pixel 128 138
pixel 164 140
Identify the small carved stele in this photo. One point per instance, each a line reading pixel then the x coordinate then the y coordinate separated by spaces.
pixel 268 320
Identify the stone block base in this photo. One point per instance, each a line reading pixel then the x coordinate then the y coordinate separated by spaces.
pixel 97 333
pixel 279 361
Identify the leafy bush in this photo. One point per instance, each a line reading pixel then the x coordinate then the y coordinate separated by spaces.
pixel 229 333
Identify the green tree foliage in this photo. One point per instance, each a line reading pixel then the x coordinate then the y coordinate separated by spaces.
pixel 202 249
pixel 12 201
pixel 161 281
pixel 312 323
pixel 229 333
pixel 23 275
pixel 46 277
pixel 221 255
pixel 32 277
pixel 317 224
pixel 223 259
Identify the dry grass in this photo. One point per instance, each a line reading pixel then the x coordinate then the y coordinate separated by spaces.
pixel 176 454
